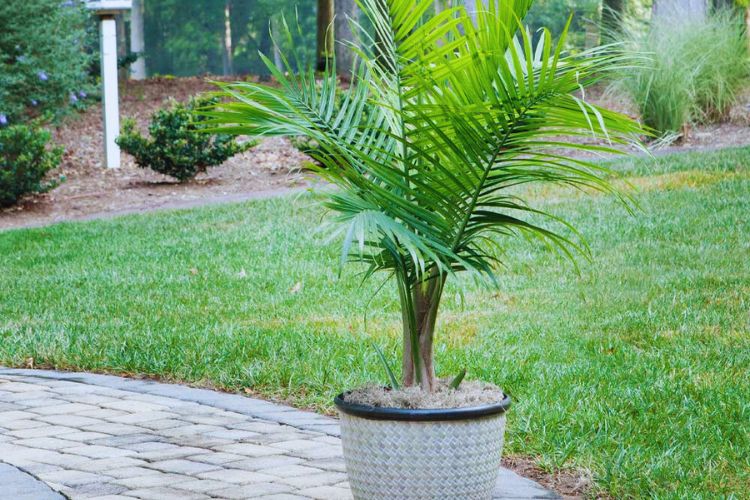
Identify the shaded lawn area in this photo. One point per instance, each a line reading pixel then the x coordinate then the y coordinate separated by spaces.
pixel 636 369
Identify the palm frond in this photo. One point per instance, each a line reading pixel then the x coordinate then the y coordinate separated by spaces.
pixel 445 117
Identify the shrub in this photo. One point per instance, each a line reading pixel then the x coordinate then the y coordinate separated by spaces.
pixel 690 70
pixel 43 64
pixel 178 146
pixel 24 160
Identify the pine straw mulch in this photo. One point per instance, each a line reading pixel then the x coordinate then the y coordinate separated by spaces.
pixel 271 168
pixel 89 190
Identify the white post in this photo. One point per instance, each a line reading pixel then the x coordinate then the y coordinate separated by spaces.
pixel 108 40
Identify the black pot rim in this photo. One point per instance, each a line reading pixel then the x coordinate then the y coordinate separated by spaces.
pixel 422 414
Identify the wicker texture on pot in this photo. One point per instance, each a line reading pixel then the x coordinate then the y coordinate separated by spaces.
pixel 409 460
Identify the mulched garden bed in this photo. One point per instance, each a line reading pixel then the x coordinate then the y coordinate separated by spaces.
pixel 87 190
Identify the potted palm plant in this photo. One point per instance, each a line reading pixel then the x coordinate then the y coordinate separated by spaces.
pixel 445 116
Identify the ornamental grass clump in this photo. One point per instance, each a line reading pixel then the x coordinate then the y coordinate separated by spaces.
pixel 691 70
pixel 462 109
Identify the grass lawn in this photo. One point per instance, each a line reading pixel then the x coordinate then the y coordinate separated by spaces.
pixel 638 368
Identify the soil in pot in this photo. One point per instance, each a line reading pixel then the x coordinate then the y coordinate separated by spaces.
pixel 469 394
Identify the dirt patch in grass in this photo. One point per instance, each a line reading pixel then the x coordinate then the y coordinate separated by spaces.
pixel 687 179
pixel 570 483
pixel 670 181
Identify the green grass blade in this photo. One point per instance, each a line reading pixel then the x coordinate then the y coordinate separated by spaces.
pixel 391 377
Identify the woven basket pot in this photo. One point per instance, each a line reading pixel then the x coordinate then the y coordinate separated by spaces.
pixel 399 454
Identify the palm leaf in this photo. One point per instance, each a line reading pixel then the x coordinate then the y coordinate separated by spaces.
pixel 445 117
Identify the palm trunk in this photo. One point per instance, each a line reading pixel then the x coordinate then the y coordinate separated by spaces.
pixel 419 307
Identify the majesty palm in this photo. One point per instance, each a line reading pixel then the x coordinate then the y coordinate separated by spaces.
pixel 445 116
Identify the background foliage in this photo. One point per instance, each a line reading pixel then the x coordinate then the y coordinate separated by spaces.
pixel 185 38
pixel 43 67
pixel 690 70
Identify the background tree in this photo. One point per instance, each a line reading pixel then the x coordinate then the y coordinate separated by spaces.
pixel 122 46
pixel 554 14
pixel 43 58
pixel 344 11
pixel 137 45
pixel 191 38
pixel 227 58
pixel 324 33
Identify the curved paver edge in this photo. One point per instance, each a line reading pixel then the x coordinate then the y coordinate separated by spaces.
pixel 510 485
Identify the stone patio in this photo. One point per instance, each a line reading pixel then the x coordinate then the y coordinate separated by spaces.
pixel 79 435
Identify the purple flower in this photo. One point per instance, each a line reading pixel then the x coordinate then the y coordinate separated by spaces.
pixel 34 102
pixel 3 119
pixel 82 94
pixel 67 3
pixel 42 76
pixel 73 98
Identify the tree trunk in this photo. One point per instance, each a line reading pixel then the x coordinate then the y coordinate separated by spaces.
pixel 325 34
pixel 684 10
pixel 265 46
pixel 122 46
pixel 344 10
pixel 419 308
pixel 592 35
pixel 227 54
pixel 137 45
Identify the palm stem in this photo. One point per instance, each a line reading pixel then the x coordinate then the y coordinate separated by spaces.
pixel 420 300
pixel 412 361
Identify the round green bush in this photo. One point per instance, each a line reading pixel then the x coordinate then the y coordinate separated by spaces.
pixel 24 160
pixel 177 146
pixel 43 60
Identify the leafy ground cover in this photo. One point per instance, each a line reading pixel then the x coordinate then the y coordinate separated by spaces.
pixel 635 369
